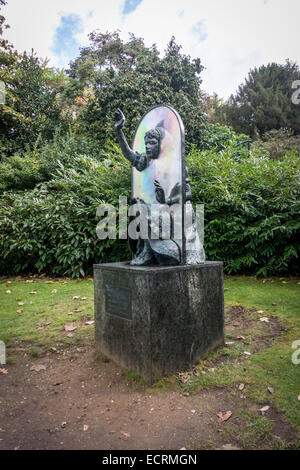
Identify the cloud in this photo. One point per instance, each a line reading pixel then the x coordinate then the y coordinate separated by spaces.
pixel 199 30
pixel 65 44
pixel 130 6
pixel 229 36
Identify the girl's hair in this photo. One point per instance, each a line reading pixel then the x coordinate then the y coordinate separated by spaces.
pixel 157 133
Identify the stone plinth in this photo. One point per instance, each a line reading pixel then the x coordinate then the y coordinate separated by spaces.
pixel 158 320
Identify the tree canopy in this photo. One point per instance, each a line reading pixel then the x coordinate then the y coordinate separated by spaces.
pixel 111 73
pixel 264 101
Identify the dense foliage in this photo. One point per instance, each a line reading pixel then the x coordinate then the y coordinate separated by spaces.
pixel 264 101
pixel 24 170
pixel 58 159
pixel 32 107
pixel 251 214
pixel 251 210
pixel 111 74
pixel 276 143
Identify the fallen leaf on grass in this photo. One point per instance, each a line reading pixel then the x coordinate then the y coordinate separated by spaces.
pixel 20 303
pixel 3 371
pixel 70 313
pixel 247 353
pixel 298 397
pixel 271 389
pixel 32 292
pixel 224 416
pixel 75 297
pixel 126 434
pixel 54 291
pixel 70 327
pixel 77 310
pixel 83 298
pixel 8 282
pixel 264 409
pixel 70 335
pixel 264 319
pixel 89 322
pixel 20 310
pixel 29 280
pixel 43 325
pixel 50 282
pixel 240 337
pixel 8 291
pixel 229 342
pixel 38 367
pixel 260 311
pixel 85 427
pixel 241 386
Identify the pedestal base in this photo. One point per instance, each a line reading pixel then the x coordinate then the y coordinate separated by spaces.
pixel 158 320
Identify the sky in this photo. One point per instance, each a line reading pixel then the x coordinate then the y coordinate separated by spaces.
pixel 229 36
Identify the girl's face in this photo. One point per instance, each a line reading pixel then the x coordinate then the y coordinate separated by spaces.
pixel 152 147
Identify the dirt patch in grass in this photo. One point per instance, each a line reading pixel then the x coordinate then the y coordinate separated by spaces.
pixel 246 333
pixel 241 321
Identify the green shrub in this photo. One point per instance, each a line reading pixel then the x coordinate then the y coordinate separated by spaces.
pixel 251 210
pixel 25 170
pixel 277 143
pixel 217 137
pixel 52 228
pixel 251 214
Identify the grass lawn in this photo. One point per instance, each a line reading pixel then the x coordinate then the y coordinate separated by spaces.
pixel 272 366
pixel 34 311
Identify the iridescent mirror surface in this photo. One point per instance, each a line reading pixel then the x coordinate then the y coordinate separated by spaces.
pixel 167 168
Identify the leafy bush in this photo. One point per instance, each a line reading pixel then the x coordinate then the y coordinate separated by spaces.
pixel 251 210
pixel 25 170
pixel 277 142
pixel 52 228
pixel 251 214
pixel 217 137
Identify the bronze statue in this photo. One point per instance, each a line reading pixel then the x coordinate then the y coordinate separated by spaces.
pixel 160 250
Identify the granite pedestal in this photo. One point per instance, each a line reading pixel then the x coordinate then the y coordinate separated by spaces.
pixel 158 320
